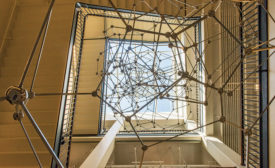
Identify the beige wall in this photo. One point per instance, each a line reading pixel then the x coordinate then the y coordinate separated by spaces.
pixel 88 107
pixel 271 5
pixel 212 60
pixel 80 151
pixel 6 12
pixel 173 152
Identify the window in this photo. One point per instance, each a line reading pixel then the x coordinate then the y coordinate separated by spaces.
pixel 137 73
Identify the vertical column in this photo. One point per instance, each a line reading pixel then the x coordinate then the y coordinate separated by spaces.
pixel 263 72
pixel 102 152
pixel 271 4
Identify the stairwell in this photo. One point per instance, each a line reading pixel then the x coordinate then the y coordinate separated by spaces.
pixel 16 46
pixel 24 27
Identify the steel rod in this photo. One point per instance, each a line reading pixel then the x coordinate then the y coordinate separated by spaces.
pixel 247 151
pixel 252 72
pixel 41 135
pixel 262 113
pixel 221 103
pixel 213 122
pixel 263 49
pixel 228 31
pixel 261 44
pixel 167 89
pixel 122 19
pixel 30 143
pixel 35 45
pixel 141 160
pixel 191 25
pixel 40 52
pixel 140 140
pixel 196 12
pixel 148 31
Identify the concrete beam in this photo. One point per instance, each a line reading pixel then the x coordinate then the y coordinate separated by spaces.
pixel 186 138
pixel 102 152
pixel 225 156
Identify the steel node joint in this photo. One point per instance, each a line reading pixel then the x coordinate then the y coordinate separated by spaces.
pixel 129 28
pixel 94 93
pixel 247 132
pixel 16 95
pixel 248 51
pixel 18 115
pixel 144 147
pixel 128 118
pixel 222 119
pixel 211 13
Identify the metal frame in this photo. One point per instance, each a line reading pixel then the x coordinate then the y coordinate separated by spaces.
pixel 152 132
pixel 18 96
pixel 263 78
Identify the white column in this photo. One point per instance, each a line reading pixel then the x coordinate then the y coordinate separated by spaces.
pixel 271 79
pixel 99 157
pixel 224 156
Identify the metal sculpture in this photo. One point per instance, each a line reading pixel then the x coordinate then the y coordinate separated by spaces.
pixel 145 78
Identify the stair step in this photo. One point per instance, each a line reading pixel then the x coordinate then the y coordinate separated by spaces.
pixel 27 21
pixel 15 67
pixel 20 145
pixel 15 130
pixel 24 160
pixel 40 117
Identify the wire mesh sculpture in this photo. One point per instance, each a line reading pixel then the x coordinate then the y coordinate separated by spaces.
pixel 147 74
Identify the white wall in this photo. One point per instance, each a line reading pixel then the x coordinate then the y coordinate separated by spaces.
pixel 271 4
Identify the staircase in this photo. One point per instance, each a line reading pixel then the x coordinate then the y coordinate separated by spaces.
pixel 25 25
pixel 21 35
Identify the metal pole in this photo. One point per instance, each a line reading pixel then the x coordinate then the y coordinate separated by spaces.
pixel 141 160
pixel 40 52
pixel 247 152
pixel 43 138
pixel 30 143
pixel 36 43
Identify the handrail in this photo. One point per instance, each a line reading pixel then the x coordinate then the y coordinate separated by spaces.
pixel 68 102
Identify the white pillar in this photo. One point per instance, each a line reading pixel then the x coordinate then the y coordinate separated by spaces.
pixel 271 79
pixel 225 156
pixel 102 152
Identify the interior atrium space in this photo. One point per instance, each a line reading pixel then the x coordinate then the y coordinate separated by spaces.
pixel 137 83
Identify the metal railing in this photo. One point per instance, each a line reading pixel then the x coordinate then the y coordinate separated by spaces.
pixel 250 93
pixel 64 136
pixel 231 135
pixel 254 86
pixel 247 22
